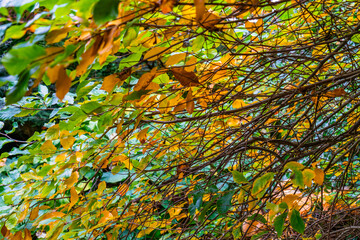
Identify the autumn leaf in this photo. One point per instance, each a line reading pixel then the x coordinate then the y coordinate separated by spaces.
pixel 335 93
pixel 154 53
pixel 186 78
pixel 166 6
pixel 72 179
pixel 190 105
pixel 200 9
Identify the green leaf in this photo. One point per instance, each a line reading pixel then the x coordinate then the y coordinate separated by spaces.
pixel 136 95
pixel 129 36
pixel 208 206
pixel 224 203
pixel 89 107
pixel 239 177
pixel 279 223
pixel 17 92
pixel 293 166
pixel 296 221
pixel 11 222
pixel 17 59
pixel 257 217
pixel 113 178
pixel 261 183
pixel 105 10
pixel 298 179
pixel 14 32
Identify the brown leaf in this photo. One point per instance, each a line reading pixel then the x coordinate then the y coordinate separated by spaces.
pixel 209 20
pixel 170 32
pixel 63 83
pixel 335 93
pixel 186 78
pixel 200 9
pixel 34 213
pixel 145 80
pixel 190 102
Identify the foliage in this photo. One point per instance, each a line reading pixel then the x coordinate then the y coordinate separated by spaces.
pixel 181 119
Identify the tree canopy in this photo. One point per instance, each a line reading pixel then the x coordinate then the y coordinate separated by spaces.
pixel 167 119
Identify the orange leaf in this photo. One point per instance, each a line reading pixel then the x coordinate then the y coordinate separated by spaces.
pixel 88 57
pixel 27 234
pixel 145 80
pixel 254 25
pixel 106 216
pixel 319 176
pixel 63 83
pixel 186 78
pixel 110 82
pixel 200 9
pixel 106 45
pixel 67 142
pixel 174 59
pixel 154 53
pixel 115 79
pixel 167 6
pixel 170 32
pixel 123 189
pixel 72 179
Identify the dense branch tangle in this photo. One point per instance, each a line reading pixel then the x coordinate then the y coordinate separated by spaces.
pixel 259 88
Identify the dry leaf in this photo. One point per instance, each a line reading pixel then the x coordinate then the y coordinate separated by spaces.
pixel 200 9
pixel 170 32
pixel 190 102
pixel 145 80
pixel 335 93
pixel 209 20
pixel 186 78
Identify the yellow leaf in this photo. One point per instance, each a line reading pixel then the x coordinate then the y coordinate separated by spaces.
pixel 67 142
pixel 48 147
pixel 145 80
pixel 238 103
pixel 154 53
pixel 209 20
pixel 23 211
pixel 319 176
pixel 74 197
pixel 174 59
pixel 72 179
